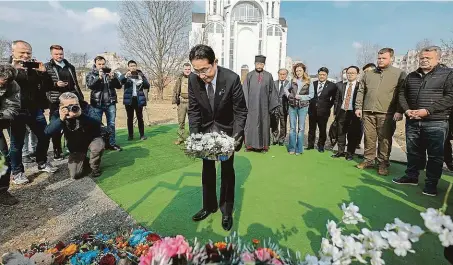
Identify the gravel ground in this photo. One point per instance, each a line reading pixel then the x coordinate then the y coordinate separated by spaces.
pixel 55 207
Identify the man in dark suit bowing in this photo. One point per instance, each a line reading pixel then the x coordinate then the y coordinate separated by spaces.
pixel 348 122
pixel 216 103
pixel 319 109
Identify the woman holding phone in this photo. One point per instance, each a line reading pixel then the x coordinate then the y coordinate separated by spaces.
pixel 134 98
pixel 299 95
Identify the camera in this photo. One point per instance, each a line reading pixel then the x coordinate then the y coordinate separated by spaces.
pixel 73 108
pixel 106 70
pixel 30 64
pixel 134 75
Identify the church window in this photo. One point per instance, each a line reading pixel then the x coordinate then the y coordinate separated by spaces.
pixel 215 6
pixel 270 31
pixel 246 12
pixel 273 6
pixel 278 31
pixel 267 9
pixel 260 43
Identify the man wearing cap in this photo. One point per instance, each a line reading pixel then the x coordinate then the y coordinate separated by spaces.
pixel 262 101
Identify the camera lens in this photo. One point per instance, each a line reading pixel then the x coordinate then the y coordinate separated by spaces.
pixel 74 108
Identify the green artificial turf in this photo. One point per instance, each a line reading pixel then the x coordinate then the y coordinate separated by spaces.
pixel 286 198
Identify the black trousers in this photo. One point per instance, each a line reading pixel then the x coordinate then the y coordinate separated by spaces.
pixel 56 138
pixel 348 126
pixel 448 159
pixel 228 178
pixel 130 109
pixel 282 119
pixel 5 178
pixel 314 121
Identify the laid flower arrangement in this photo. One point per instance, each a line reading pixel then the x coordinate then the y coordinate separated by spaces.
pixel 210 146
pixel 143 247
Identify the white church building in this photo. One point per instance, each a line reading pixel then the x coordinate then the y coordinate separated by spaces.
pixel 238 30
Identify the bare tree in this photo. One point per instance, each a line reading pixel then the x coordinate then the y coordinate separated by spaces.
pixel 155 33
pixel 79 60
pixel 367 53
pixel 448 44
pixel 5 47
pixel 423 44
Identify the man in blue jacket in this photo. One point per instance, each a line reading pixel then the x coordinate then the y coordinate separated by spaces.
pixel 134 99
pixel 82 133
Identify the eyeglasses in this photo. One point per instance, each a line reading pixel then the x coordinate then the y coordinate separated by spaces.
pixel 202 71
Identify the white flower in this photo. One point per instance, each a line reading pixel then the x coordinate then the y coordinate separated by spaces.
pixel 373 240
pixel 351 214
pixel 329 252
pixel 353 248
pixel 376 257
pixel 414 232
pixel 446 237
pixel 399 241
pixel 311 260
pixel 433 220
pixel 446 220
pixel 335 233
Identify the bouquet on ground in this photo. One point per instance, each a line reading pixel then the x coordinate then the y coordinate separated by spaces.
pixel 210 146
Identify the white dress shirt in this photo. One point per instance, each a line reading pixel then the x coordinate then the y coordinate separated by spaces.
pixel 351 107
pixel 61 64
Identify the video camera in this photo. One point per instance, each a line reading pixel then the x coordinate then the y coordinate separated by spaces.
pixel 106 70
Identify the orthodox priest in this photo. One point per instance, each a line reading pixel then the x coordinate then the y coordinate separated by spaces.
pixel 262 100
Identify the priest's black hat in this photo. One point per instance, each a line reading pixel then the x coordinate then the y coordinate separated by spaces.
pixel 260 59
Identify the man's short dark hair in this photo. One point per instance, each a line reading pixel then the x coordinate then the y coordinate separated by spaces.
pixel 186 64
pixel 200 52
pixel 56 47
pixel 355 67
pixel 368 65
pixel 385 50
pixel 323 69
pixel 98 58
pixel 131 61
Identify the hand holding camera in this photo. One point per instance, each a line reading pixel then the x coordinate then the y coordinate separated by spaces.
pixel 63 113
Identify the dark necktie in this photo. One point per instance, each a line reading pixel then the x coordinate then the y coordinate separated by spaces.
pixel 281 87
pixel 260 77
pixel 211 95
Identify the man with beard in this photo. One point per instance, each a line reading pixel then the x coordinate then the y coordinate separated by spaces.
pixel 262 101
pixel 181 99
pixel 64 80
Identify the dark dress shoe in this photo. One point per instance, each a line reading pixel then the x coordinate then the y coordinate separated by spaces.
pixel 227 222
pixel 349 156
pixel 281 143
pixel 337 155
pixel 321 149
pixel 202 214
pixel 309 147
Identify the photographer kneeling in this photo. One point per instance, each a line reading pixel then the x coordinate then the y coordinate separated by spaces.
pixel 82 133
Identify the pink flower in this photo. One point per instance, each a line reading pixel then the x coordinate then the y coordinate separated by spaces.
pixel 276 262
pixel 146 258
pixel 262 254
pixel 247 257
pixel 172 247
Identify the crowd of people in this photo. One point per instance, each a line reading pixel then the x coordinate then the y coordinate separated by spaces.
pixel 367 103
pixel 28 88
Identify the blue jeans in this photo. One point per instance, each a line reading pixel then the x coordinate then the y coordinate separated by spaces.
pixel 297 119
pixel 424 136
pixel 110 114
pixel 37 123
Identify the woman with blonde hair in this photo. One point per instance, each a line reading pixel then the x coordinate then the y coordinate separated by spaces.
pixel 299 95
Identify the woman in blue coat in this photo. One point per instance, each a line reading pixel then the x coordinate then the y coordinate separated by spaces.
pixel 134 99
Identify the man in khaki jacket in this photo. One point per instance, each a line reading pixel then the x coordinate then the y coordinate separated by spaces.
pixel 181 99
pixel 377 104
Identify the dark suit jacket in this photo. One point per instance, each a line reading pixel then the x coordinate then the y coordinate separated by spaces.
pixel 280 92
pixel 321 105
pixel 340 95
pixel 230 110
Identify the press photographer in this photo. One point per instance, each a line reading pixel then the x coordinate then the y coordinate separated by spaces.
pixel 64 79
pixel 82 133
pixel 103 84
pixel 134 99
pixel 33 81
pixel 9 107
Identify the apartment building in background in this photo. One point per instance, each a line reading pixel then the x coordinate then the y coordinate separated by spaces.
pixel 409 61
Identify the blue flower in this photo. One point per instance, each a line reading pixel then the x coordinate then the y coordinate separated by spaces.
pixel 138 236
pixel 84 258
